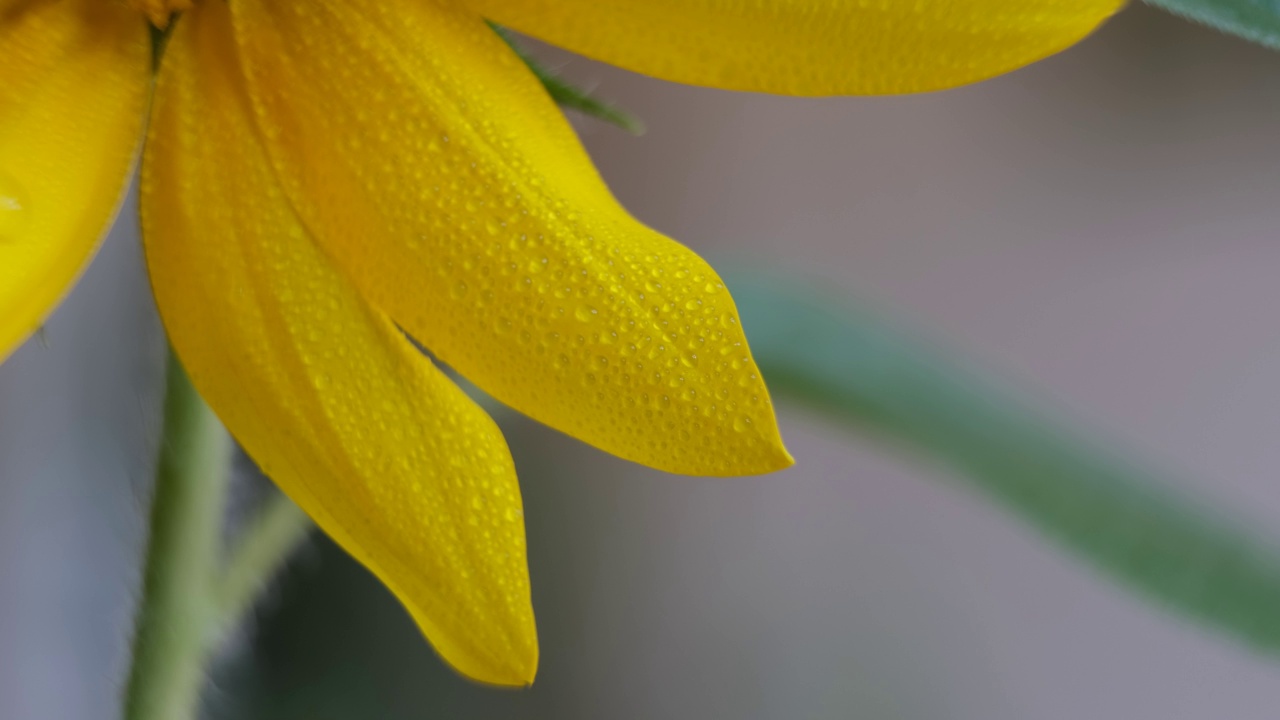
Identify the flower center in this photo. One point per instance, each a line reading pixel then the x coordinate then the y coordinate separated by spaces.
pixel 160 10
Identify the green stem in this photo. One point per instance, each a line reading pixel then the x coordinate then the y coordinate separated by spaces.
pixel 277 530
pixel 1171 544
pixel 177 609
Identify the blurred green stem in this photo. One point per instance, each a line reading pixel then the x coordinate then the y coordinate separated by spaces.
pixel 278 529
pixel 1176 547
pixel 177 610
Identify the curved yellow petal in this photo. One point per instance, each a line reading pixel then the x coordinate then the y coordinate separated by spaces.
pixel 389 456
pixel 74 76
pixel 809 47
pixel 428 161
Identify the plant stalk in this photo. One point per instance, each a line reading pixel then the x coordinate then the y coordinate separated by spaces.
pixel 178 608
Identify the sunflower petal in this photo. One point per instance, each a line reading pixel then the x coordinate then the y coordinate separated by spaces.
pixel 429 162
pixel 73 86
pixel 389 456
pixel 809 47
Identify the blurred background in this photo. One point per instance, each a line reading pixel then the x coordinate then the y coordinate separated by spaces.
pixel 1097 231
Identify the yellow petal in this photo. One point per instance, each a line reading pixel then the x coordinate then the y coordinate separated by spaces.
pixel 73 85
pixel 809 47
pixel 390 457
pixel 430 163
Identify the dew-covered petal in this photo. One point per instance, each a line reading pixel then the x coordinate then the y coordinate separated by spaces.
pixel 388 456
pixel 73 87
pixel 809 47
pixel 430 163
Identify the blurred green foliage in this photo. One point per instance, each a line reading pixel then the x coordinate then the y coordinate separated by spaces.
pixel 816 349
pixel 1256 20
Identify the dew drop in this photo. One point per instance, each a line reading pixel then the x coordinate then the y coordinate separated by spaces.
pixel 15 208
pixel 585 313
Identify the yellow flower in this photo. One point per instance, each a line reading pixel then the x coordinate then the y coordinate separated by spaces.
pixel 320 174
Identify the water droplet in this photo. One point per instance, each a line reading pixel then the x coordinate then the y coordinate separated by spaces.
pixel 585 313
pixel 742 423
pixel 15 208
pixel 459 291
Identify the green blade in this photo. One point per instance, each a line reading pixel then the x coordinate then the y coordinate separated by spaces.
pixel 1176 550
pixel 1256 20
pixel 571 97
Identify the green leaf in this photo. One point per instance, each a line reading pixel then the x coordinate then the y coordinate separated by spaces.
pixel 1256 20
pixel 570 96
pixel 1175 549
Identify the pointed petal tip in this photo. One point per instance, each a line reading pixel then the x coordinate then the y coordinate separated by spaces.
pixel 775 458
pixel 778 456
pixel 785 458
pixel 515 671
pixel 763 454
pixel 521 670
pixel 518 676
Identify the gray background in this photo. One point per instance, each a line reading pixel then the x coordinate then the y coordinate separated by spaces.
pixel 1099 228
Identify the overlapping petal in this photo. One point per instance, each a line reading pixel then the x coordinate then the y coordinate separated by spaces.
pixel 809 47
pixel 429 162
pixel 391 459
pixel 73 87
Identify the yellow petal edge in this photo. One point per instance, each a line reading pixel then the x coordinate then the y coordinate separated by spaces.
pixel 809 47
pixel 431 165
pixel 74 77
pixel 389 457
